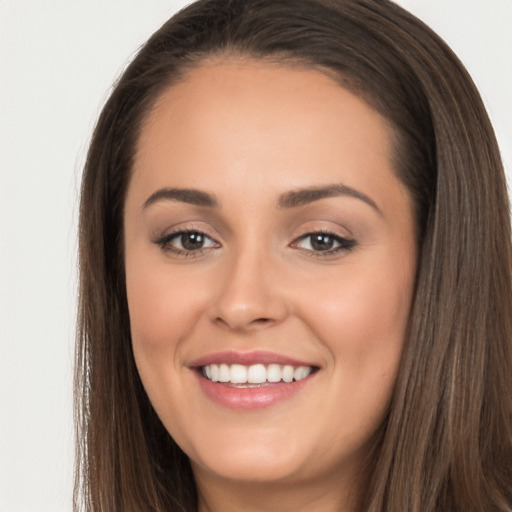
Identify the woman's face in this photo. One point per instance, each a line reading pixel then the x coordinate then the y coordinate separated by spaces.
pixel 268 240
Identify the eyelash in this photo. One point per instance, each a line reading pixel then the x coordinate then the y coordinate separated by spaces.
pixel 165 243
pixel 344 244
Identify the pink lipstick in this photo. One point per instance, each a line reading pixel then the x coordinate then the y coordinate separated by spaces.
pixel 251 380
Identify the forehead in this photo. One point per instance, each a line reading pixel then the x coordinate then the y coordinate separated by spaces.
pixel 240 120
pixel 220 91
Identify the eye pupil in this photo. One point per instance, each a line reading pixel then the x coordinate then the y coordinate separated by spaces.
pixel 192 241
pixel 322 242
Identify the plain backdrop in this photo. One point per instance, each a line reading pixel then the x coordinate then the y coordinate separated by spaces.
pixel 58 59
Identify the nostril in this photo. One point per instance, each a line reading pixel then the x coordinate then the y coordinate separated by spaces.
pixel 262 321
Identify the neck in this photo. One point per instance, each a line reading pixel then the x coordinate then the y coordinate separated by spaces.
pixel 325 495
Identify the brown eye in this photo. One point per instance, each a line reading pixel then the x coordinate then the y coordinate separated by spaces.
pixel 192 241
pixel 326 243
pixel 183 242
pixel 322 242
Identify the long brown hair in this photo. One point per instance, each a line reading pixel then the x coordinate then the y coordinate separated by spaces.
pixel 446 443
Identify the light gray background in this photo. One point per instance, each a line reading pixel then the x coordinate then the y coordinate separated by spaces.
pixel 57 61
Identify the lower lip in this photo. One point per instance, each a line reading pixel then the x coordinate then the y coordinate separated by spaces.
pixel 251 398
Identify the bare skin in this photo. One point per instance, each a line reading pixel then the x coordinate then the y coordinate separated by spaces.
pixel 297 241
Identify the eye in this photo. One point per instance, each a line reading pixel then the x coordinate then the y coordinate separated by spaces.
pixel 323 244
pixel 185 243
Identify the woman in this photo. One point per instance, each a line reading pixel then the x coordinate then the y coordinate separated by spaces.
pixel 295 271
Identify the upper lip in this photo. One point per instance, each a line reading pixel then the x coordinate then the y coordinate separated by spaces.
pixel 247 359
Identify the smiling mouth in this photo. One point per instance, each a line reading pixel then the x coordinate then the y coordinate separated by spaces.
pixel 256 375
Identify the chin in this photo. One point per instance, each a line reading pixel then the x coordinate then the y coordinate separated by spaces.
pixel 250 459
pixel 250 468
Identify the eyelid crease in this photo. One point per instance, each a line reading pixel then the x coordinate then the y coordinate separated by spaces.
pixel 173 234
pixel 164 242
pixel 346 244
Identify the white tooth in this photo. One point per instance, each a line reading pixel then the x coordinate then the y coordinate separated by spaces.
pixel 274 373
pixel 215 372
pixel 301 372
pixel 238 374
pixel 288 373
pixel 224 375
pixel 256 374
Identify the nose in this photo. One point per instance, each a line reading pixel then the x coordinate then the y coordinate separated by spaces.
pixel 250 294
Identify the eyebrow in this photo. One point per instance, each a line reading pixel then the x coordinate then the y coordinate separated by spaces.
pixel 183 195
pixel 291 199
pixel 305 196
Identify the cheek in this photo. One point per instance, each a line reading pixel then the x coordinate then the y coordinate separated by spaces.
pixel 161 304
pixel 362 319
pixel 361 306
pixel 364 329
pixel 164 309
